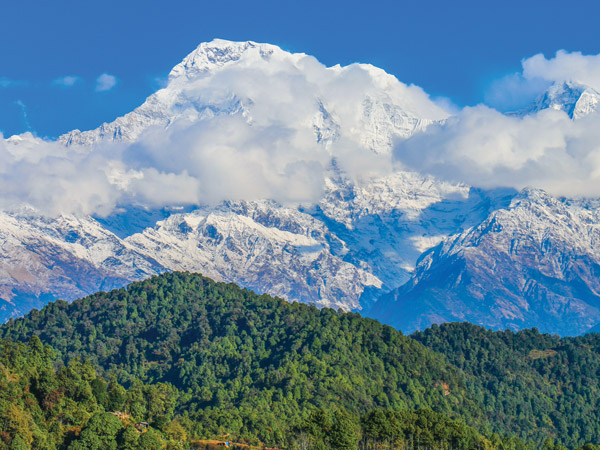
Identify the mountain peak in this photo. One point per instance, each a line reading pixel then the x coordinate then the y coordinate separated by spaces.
pixel 218 53
pixel 226 78
pixel 575 99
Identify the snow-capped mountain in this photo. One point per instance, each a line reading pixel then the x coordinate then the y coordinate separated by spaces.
pixel 573 98
pixel 65 257
pixel 291 252
pixel 535 262
pixel 401 246
pixel 201 88
pixel 262 246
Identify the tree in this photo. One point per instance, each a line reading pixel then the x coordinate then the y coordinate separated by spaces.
pixel 150 440
pixel 345 432
pixel 117 395
pixel 176 431
pixel 128 439
pixel 18 444
pixel 100 433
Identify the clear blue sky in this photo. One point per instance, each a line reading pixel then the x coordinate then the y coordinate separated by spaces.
pixel 450 48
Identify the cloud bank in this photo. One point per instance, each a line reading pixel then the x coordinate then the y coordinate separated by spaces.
pixel 565 66
pixel 517 90
pixel 265 128
pixel 275 129
pixel 225 158
pixel 483 147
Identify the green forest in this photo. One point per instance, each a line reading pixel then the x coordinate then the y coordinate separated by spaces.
pixel 193 360
pixel 42 407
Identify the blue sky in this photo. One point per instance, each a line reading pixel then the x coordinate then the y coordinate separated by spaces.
pixel 453 49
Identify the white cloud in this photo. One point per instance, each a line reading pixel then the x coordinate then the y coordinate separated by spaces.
pixel 67 81
pixel 517 90
pixel 514 92
pixel 247 132
pixel 105 82
pixel 42 174
pixel 212 161
pixel 565 66
pixel 485 148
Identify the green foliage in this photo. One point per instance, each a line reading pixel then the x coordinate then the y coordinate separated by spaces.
pixel 420 429
pixel 535 385
pixel 245 364
pixel 198 359
pixel 99 433
pixel 328 429
pixel 389 429
pixel 44 408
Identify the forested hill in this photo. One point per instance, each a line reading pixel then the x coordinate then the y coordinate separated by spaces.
pixel 42 408
pixel 256 366
pixel 247 362
pixel 67 409
pixel 529 380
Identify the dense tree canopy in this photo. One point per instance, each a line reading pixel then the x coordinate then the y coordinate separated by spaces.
pixel 531 383
pixel 246 363
pixel 198 359
pixel 69 408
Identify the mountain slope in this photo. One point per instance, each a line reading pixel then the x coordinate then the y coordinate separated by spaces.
pixel 535 263
pixel 67 408
pixel 260 359
pixel 328 255
pixel 45 258
pixel 72 408
pixel 262 246
pixel 528 371
pixel 255 366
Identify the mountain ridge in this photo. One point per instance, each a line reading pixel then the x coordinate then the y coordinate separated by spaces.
pixel 363 237
pixel 555 269
pixel 575 99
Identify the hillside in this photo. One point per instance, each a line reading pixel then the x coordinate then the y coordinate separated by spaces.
pixel 72 408
pixel 245 360
pixel 259 367
pixel 528 380
pixel 68 408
